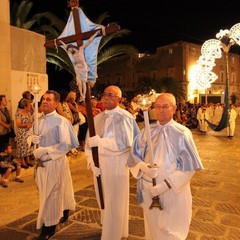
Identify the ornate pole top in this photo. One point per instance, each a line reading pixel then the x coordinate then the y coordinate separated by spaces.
pixel 73 3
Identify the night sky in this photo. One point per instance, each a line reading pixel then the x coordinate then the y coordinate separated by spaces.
pixel 156 23
pixel 153 25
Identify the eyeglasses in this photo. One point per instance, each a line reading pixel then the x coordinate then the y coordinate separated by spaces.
pixel 109 95
pixel 163 107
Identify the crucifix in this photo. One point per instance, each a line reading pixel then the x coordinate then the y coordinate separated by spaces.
pixel 78 37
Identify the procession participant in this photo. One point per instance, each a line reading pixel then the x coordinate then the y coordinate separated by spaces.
pixel 53 178
pixel 176 157
pixel 232 115
pixel 203 119
pixel 115 132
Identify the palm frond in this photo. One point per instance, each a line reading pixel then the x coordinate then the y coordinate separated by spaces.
pixel 106 39
pixel 52 20
pixel 115 51
pixel 61 58
pixel 22 13
pixel 47 30
pixel 28 24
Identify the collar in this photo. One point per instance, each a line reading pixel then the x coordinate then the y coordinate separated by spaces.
pixel 49 114
pixel 112 111
pixel 165 125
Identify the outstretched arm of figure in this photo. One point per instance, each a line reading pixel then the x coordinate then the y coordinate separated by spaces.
pixel 86 44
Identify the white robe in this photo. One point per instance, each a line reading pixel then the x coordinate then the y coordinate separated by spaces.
pixel 203 123
pixel 177 157
pixel 117 130
pixel 54 180
pixel 232 115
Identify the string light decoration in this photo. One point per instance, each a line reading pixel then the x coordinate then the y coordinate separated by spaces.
pixel 204 78
pixel 235 33
pixel 206 62
pixel 211 50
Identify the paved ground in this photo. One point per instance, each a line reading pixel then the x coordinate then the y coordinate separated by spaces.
pixel 216 198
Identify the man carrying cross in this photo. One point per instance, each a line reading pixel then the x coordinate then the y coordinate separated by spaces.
pixel 76 34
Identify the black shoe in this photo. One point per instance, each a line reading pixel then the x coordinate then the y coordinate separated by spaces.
pixel 44 237
pixel 30 164
pixel 46 233
pixel 24 166
pixel 65 216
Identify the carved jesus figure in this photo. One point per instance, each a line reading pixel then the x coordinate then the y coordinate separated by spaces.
pixel 80 66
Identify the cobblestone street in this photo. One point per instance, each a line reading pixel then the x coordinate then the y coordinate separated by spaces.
pixel 216 198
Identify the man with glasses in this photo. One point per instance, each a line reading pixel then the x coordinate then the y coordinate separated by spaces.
pixel 115 132
pixel 176 159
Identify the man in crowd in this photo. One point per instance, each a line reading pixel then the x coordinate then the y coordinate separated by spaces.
pixel 232 115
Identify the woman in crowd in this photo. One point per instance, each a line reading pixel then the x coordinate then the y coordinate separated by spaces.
pixel 63 107
pixel 24 122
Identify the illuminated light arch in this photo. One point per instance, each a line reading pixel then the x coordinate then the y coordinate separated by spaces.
pixel 206 62
pixel 212 48
pixel 205 78
pixel 235 33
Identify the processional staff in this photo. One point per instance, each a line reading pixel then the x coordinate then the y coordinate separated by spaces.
pixel 145 103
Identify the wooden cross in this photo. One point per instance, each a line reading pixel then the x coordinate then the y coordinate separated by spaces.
pixel 79 37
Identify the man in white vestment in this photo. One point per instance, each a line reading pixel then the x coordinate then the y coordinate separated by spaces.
pixel 176 157
pixel 203 123
pixel 115 132
pixel 232 115
pixel 55 138
pixel 199 116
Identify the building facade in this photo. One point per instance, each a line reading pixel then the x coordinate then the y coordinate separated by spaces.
pixel 177 60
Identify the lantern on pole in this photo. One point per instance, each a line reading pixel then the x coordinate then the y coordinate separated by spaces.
pixel 145 103
pixel 36 89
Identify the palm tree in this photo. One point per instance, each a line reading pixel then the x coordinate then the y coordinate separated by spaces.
pixel 168 84
pixel 45 23
pixel 145 85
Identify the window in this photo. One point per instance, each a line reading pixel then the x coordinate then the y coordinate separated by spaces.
pixel 233 77
pixel 154 75
pixel 170 51
pixel 221 76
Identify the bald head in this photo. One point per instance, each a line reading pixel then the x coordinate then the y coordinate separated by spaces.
pixel 169 96
pixel 111 97
pixel 165 107
pixel 117 91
